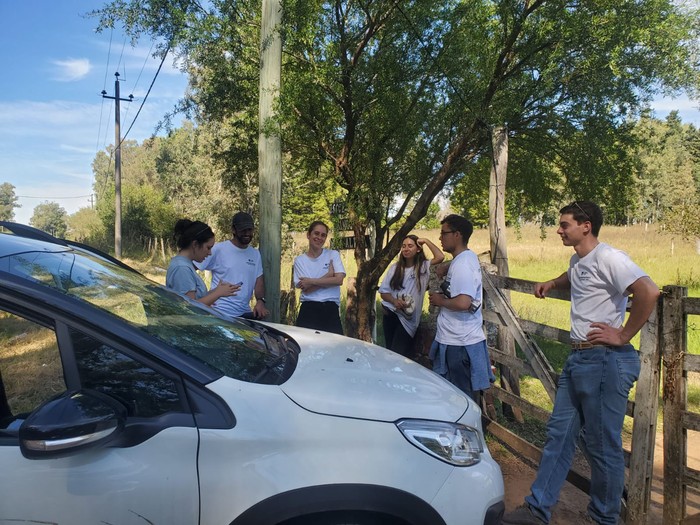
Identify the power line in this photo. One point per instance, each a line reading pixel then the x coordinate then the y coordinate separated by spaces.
pixel 53 198
pixel 143 66
pixel 147 93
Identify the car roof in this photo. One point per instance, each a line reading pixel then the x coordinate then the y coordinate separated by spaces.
pixel 11 244
pixel 38 240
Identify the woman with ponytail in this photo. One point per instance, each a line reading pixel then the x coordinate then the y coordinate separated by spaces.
pixel 194 240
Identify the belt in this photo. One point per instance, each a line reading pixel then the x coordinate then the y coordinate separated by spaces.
pixel 581 345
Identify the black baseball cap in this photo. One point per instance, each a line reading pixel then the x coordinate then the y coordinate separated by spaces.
pixel 242 221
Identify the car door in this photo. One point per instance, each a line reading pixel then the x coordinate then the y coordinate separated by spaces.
pixel 146 475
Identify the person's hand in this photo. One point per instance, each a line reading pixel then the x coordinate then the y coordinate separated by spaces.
pixel 604 334
pixel 305 284
pixel 399 303
pixel 260 310
pixel 437 298
pixel 541 289
pixel 421 241
pixel 224 289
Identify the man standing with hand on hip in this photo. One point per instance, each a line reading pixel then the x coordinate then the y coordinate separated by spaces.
pixel 594 385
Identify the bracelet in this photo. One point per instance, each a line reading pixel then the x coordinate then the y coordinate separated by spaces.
pixel 260 299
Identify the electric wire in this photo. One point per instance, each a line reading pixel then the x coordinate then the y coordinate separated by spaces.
pixel 143 66
pixel 104 88
pixel 165 55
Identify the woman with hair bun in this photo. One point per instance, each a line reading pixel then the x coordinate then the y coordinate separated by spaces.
pixel 194 240
pixel 403 290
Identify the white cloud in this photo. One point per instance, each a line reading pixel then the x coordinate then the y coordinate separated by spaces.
pixel 71 70
pixel 689 110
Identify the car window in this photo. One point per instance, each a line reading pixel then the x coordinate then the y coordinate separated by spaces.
pixel 30 367
pixel 230 347
pixel 144 391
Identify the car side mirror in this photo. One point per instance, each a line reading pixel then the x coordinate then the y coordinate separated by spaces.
pixel 70 423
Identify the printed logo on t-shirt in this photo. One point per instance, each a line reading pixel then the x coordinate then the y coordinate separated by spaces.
pixel 250 262
pixel 584 275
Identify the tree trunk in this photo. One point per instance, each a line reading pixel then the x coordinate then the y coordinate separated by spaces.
pixel 510 381
pixel 360 312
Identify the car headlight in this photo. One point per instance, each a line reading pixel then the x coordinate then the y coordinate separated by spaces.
pixel 456 444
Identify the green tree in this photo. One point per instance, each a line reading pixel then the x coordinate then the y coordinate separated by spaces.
pixel 8 202
pixel 85 226
pixel 395 100
pixel 51 218
pixel 667 185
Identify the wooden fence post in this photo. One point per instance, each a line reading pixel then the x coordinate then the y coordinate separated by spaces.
pixel 673 342
pixel 646 404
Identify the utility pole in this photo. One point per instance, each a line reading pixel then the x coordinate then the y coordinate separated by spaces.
pixel 270 155
pixel 117 167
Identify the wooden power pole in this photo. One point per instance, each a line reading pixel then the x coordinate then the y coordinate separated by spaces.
pixel 270 155
pixel 117 167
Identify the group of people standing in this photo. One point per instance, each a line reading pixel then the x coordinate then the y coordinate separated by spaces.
pixel 237 277
pixel 595 382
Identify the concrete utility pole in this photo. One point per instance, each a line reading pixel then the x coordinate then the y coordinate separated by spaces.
pixel 270 155
pixel 117 167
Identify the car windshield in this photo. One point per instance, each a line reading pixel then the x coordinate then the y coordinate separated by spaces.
pixel 234 348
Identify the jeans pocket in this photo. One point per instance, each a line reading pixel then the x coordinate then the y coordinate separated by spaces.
pixel 628 367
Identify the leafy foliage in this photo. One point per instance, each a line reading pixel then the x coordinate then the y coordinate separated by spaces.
pixel 392 101
pixel 51 218
pixel 8 202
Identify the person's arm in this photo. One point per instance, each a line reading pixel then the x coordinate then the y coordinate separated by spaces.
pixel 260 310
pixel 438 256
pixel 459 303
pixel 223 289
pixel 645 294
pixel 560 283
pixel 331 278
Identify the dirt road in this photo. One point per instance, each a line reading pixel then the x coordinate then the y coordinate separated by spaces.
pixel 518 476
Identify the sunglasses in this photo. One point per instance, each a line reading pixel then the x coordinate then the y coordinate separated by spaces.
pixel 588 217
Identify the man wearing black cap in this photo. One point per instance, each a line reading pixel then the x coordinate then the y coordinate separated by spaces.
pixel 235 261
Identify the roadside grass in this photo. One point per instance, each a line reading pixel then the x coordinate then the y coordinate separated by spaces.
pixel 26 346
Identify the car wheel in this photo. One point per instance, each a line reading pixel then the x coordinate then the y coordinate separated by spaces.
pixel 346 518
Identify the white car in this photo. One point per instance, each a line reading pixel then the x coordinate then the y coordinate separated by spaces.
pixel 123 403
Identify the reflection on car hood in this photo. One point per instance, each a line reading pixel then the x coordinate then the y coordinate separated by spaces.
pixel 346 377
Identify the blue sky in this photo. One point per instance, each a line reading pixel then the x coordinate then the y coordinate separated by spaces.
pixel 53 119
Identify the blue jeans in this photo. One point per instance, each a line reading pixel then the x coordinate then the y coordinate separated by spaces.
pixel 591 396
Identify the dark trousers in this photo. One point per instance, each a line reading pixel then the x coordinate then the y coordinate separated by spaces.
pixel 396 338
pixel 324 316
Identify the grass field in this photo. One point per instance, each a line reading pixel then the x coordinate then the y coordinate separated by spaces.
pixel 668 261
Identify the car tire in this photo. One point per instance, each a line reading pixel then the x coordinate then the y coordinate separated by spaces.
pixel 346 518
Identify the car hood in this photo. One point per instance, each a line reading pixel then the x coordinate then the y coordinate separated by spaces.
pixel 346 377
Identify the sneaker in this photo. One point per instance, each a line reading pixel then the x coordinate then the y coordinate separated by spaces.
pixel 523 515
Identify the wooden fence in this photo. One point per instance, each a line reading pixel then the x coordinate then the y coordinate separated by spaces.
pixel 664 335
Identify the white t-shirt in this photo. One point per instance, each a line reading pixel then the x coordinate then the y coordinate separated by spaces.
pixel 416 287
pixel 461 328
pixel 599 283
pixel 305 266
pixel 234 265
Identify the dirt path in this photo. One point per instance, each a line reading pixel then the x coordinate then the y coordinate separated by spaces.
pixel 518 475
